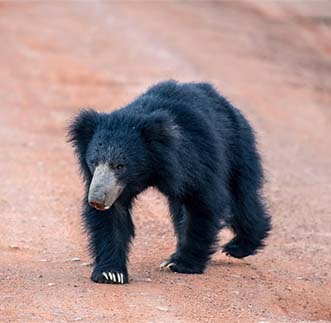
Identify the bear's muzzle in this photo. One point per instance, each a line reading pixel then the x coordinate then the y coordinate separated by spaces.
pixel 104 188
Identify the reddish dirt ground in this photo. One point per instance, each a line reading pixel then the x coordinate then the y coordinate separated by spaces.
pixel 272 59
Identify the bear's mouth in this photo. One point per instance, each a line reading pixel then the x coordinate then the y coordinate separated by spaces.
pixel 100 207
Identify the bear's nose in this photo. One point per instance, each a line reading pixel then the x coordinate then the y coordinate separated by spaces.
pixel 98 201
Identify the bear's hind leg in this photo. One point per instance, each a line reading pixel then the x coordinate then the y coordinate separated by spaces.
pixel 250 223
pixel 250 220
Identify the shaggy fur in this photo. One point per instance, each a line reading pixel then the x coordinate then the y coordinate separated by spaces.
pixel 193 146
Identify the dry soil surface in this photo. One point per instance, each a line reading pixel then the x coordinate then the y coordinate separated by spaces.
pixel 272 59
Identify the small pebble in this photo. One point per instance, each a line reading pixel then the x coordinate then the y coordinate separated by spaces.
pixel 14 247
pixel 51 284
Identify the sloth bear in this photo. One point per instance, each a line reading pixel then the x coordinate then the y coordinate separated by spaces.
pixel 191 144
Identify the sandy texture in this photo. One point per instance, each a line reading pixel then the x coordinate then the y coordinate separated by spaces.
pixel 273 60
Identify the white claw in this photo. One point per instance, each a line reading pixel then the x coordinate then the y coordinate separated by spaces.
pixel 114 277
pixel 105 275
pixel 118 278
pixel 122 280
pixel 164 263
pixel 110 276
pixel 170 264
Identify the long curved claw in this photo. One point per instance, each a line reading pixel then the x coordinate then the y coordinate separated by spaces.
pixel 167 264
pixel 113 277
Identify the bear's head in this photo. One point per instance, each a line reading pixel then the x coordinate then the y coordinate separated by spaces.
pixel 121 153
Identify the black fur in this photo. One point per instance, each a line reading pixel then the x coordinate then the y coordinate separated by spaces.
pixel 197 149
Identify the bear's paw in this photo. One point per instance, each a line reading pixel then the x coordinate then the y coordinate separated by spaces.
pixel 179 266
pixel 109 277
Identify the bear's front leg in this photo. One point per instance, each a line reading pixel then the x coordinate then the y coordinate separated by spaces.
pixel 197 223
pixel 110 234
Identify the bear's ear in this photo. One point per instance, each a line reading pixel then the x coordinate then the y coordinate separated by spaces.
pixel 81 130
pixel 160 128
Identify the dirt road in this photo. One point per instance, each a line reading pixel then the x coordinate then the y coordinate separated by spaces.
pixel 273 60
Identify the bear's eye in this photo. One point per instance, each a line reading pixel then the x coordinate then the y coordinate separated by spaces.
pixel 119 166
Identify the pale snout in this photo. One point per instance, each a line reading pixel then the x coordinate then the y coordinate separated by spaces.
pixel 104 188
